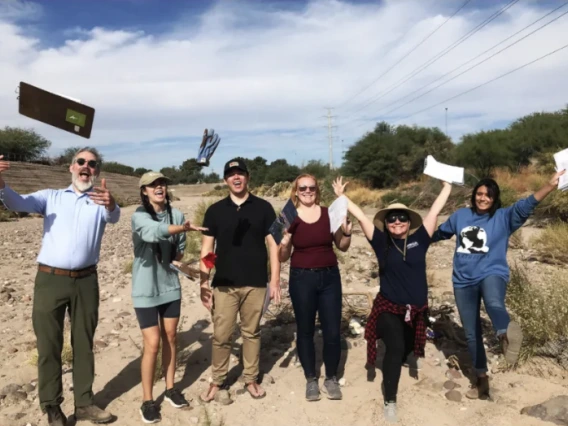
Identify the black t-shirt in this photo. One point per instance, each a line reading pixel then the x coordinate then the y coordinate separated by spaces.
pixel 403 282
pixel 240 233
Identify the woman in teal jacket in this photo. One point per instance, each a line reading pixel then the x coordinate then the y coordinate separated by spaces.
pixel 481 270
pixel 158 236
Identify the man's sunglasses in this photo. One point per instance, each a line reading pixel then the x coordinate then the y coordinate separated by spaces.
pixel 402 218
pixel 91 163
pixel 304 188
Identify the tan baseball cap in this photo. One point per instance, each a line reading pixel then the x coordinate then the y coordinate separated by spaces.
pixel 149 177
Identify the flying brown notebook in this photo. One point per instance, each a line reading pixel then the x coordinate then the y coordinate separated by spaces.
pixel 55 110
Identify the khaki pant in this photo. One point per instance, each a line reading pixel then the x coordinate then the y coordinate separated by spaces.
pixel 227 302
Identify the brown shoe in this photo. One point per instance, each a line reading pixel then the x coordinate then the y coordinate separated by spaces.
pixel 55 416
pixel 480 390
pixel 92 413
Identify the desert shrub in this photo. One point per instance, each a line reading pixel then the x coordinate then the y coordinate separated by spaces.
pixel 555 205
pixel 219 187
pixel 508 195
pixel 127 268
pixel 542 310
pixel 551 244
pixel 398 196
pixel 193 239
pixel 6 215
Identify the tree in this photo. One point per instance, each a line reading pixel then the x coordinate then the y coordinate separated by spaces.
pixel 17 144
pixel 140 171
pixel 316 168
pixel 484 151
pixel 114 167
pixel 280 171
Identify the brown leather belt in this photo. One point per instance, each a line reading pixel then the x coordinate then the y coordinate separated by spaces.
pixel 67 272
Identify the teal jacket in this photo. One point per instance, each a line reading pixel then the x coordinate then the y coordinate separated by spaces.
pixel 154 283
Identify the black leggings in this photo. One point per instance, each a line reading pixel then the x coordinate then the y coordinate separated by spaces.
pixel 398 338
pixel 318 291
pixel 148 317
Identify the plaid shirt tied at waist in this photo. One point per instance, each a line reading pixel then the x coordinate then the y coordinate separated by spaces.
pixel 414 316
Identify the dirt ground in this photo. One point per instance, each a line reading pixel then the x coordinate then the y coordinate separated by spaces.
pixel 422 400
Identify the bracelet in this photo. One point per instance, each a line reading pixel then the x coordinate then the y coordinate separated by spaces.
pixel 346 235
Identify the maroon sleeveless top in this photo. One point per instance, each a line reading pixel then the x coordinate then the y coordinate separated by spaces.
pixel 312 242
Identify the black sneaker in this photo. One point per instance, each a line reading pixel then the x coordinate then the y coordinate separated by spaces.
pixel 150 412
pixel 174 397
pixel 55 416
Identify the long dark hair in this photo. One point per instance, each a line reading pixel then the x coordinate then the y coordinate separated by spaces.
pixel 150 210
pixel 493 192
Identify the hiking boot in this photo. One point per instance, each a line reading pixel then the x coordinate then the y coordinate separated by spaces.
pixel 511 342
pixel 480 390
pixel 150 412
pixel 55 416
pixel 92 413
pixel 390 412
pixel 312 390
pixel 332 388
pixel 175 398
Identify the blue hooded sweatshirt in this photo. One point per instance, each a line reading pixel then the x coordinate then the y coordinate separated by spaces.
pixel 482 241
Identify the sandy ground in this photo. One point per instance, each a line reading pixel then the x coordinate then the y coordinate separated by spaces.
pixel 422 400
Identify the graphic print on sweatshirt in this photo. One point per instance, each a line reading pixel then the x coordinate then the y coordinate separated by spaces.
pixel 473 239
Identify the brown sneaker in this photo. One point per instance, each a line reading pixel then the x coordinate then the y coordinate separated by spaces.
pixel 480 390
pixel 92 413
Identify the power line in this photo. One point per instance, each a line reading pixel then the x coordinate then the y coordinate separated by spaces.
pixel 405 56
pixel 474 66
pixel 486 83
pixel 440 55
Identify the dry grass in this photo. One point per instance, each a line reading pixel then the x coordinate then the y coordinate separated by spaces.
pixel 551 245
pixel 66 354
pixel 516 240
pixel 193 239
pixel 127 268
pixel 541 309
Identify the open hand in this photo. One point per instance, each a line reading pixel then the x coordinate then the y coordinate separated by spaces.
pixel 102 196
pixel 207 297
pixel 275 292
pixel 187 226
pixel 339 186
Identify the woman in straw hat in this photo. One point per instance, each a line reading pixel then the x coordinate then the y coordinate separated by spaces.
pixel 158 236
pixel 400 239
pixel 480 269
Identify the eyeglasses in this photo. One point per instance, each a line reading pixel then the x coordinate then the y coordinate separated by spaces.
pixel 91 163
pixel 304 188
pixel 402 218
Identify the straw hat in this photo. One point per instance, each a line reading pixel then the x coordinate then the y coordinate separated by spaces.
pixel 415 218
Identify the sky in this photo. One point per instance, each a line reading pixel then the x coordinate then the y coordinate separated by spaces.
pixel 274 78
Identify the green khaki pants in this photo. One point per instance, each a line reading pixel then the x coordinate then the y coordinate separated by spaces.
pixel 53 295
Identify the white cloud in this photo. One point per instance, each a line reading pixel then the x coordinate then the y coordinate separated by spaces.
pixel 262 77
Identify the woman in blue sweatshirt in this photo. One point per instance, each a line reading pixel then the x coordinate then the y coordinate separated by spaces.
pixel 158 236
pixel 481 270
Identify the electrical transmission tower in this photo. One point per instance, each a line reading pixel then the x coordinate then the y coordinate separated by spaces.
pixel 330 128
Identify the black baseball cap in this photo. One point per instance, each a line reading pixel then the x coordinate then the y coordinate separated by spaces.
pixel 235 163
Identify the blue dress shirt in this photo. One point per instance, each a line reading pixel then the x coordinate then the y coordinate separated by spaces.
pixel 73 225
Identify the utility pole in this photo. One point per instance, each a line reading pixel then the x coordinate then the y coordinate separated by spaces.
pixel 330 128
pixel 447 122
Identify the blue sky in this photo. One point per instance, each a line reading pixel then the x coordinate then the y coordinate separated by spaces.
pixel 262 73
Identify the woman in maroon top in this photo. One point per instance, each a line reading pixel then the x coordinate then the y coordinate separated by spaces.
pixel 315 283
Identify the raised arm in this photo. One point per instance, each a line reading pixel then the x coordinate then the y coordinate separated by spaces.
pixel 366 224
pixel 552 184
pixel 30 203
pixel 151 231
pixel 431 219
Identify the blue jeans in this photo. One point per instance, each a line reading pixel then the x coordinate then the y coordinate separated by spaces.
pixel 311 291
pixel 492 290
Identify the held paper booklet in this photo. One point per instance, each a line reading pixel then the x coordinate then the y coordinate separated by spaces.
pixel 337 213
pixel 444 172
pixel 283 221
pixel 561 159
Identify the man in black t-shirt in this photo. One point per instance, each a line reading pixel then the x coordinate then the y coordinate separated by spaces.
pixel 239 225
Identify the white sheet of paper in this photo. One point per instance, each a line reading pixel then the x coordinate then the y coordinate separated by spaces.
pixel 561 159
pixel 445 172
pixel 337 212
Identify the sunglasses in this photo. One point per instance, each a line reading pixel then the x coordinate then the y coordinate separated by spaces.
pixel 402 218
pixel 91 163
pixel 304 188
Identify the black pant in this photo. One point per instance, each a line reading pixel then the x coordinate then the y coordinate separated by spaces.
pixel 53 295
pixel 398 338
pixel 318 291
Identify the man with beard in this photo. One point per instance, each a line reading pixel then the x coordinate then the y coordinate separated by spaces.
pixel 74 223
pixel 239 225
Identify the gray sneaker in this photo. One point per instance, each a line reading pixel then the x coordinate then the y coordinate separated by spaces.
pixel 332 388
pixel 390 412
pixel 312 390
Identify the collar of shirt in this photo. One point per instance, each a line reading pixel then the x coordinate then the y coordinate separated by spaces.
pixel 230 201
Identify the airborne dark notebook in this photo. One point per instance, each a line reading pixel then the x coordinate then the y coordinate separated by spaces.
pixel 55 110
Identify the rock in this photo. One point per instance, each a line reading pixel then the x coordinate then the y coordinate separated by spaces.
pixel 453 374
pixel 12 350
pixel 13 387
pixel 5 297
pixel 100 344
pixel 28 387
pixel 555 410
pixel 194 420
pixel 449 385
pixel 16 396
pixel 454 396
